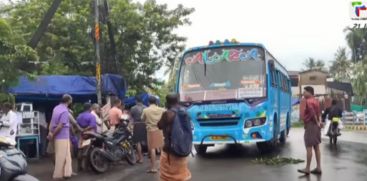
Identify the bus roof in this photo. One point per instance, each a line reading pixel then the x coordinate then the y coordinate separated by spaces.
pixel 225 45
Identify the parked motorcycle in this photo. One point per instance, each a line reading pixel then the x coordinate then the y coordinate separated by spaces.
pixel 105 149
pixel 13 164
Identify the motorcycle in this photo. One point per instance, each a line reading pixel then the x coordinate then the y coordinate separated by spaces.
pixel 12 162
pixel 334 130
pixel 105 149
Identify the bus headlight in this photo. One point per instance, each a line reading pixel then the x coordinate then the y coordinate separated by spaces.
pixel 255 122
pixel 248 124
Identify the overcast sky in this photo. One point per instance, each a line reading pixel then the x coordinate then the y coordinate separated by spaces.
pixel 292 30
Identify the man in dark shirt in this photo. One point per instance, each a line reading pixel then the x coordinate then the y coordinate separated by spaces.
pixel 171 166
pixel 140 132
pixel 334 115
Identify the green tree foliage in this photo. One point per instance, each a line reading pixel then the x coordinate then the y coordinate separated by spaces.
pixel 359 80
pixel 340 68
pixel 172 76
pixel 144 35
pixel 148 42
pixel 357 42
pixel 6 98
pixel 14 57
pixel 312 64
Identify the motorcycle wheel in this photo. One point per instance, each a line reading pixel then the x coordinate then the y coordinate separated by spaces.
pixel 331 139
pixel 335 139
pixel 130 154
pixel 98 163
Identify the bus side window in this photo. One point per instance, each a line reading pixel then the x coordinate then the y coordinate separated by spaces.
pixel 273 78
pixel 281 81
pixel 289 86
pixel 285 83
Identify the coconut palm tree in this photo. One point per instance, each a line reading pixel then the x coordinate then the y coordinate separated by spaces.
pixel 359 80
pixel 340 68
pixel 312 64
pixel 357 42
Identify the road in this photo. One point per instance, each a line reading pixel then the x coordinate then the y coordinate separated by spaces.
pixel 346 161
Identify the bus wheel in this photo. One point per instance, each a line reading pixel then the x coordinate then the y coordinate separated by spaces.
pixel 283 136
pixel 200 149
pixel 265 147
pixel 284 133
pixel 288 124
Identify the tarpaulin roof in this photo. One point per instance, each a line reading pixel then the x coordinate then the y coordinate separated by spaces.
pixel 343 86
pixel 82 88
pixel 295 101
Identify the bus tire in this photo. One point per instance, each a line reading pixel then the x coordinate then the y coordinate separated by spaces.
pixel 265 147
pixel 283 136
pixel 200 149
pixel 285 132
pixel 288 124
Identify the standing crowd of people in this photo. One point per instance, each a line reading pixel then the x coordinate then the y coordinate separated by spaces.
pixel 151 127
pixel 166 131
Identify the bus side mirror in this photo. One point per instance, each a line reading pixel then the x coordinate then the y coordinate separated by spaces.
pixel 271 65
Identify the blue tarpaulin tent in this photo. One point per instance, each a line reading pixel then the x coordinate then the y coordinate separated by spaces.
pixel 295 101
pixel 82 88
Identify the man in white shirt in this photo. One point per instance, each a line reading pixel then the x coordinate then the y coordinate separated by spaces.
pixel 8 122
pixel 101 126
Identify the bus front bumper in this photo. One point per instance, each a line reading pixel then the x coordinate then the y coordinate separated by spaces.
pixel 231 135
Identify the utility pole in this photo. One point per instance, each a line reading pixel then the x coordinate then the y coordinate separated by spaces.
pixel 97 49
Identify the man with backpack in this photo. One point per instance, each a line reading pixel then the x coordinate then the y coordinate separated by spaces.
pixel 176 127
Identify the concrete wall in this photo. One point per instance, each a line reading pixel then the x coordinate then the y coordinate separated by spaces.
pixel 313 77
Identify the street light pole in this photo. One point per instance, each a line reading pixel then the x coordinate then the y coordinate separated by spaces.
pixel 97 49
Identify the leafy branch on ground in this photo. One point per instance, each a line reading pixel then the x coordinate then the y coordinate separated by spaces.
pixel 277 161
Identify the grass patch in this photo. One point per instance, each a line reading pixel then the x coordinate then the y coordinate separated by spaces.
pixel 297 124
pixel 277 161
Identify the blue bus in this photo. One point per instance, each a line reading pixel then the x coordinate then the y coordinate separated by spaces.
pixel 235 93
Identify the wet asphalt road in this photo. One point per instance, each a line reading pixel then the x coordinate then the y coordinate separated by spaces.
pixel 345 162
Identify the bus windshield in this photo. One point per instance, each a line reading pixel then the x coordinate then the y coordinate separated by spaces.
pixel 223 73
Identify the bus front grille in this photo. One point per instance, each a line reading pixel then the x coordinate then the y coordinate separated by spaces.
pixel 218 122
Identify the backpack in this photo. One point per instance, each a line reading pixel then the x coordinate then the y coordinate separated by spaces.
pixel 181 134
pixel 12 163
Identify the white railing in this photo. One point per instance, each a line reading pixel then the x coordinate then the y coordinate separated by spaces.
pixel 355 118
